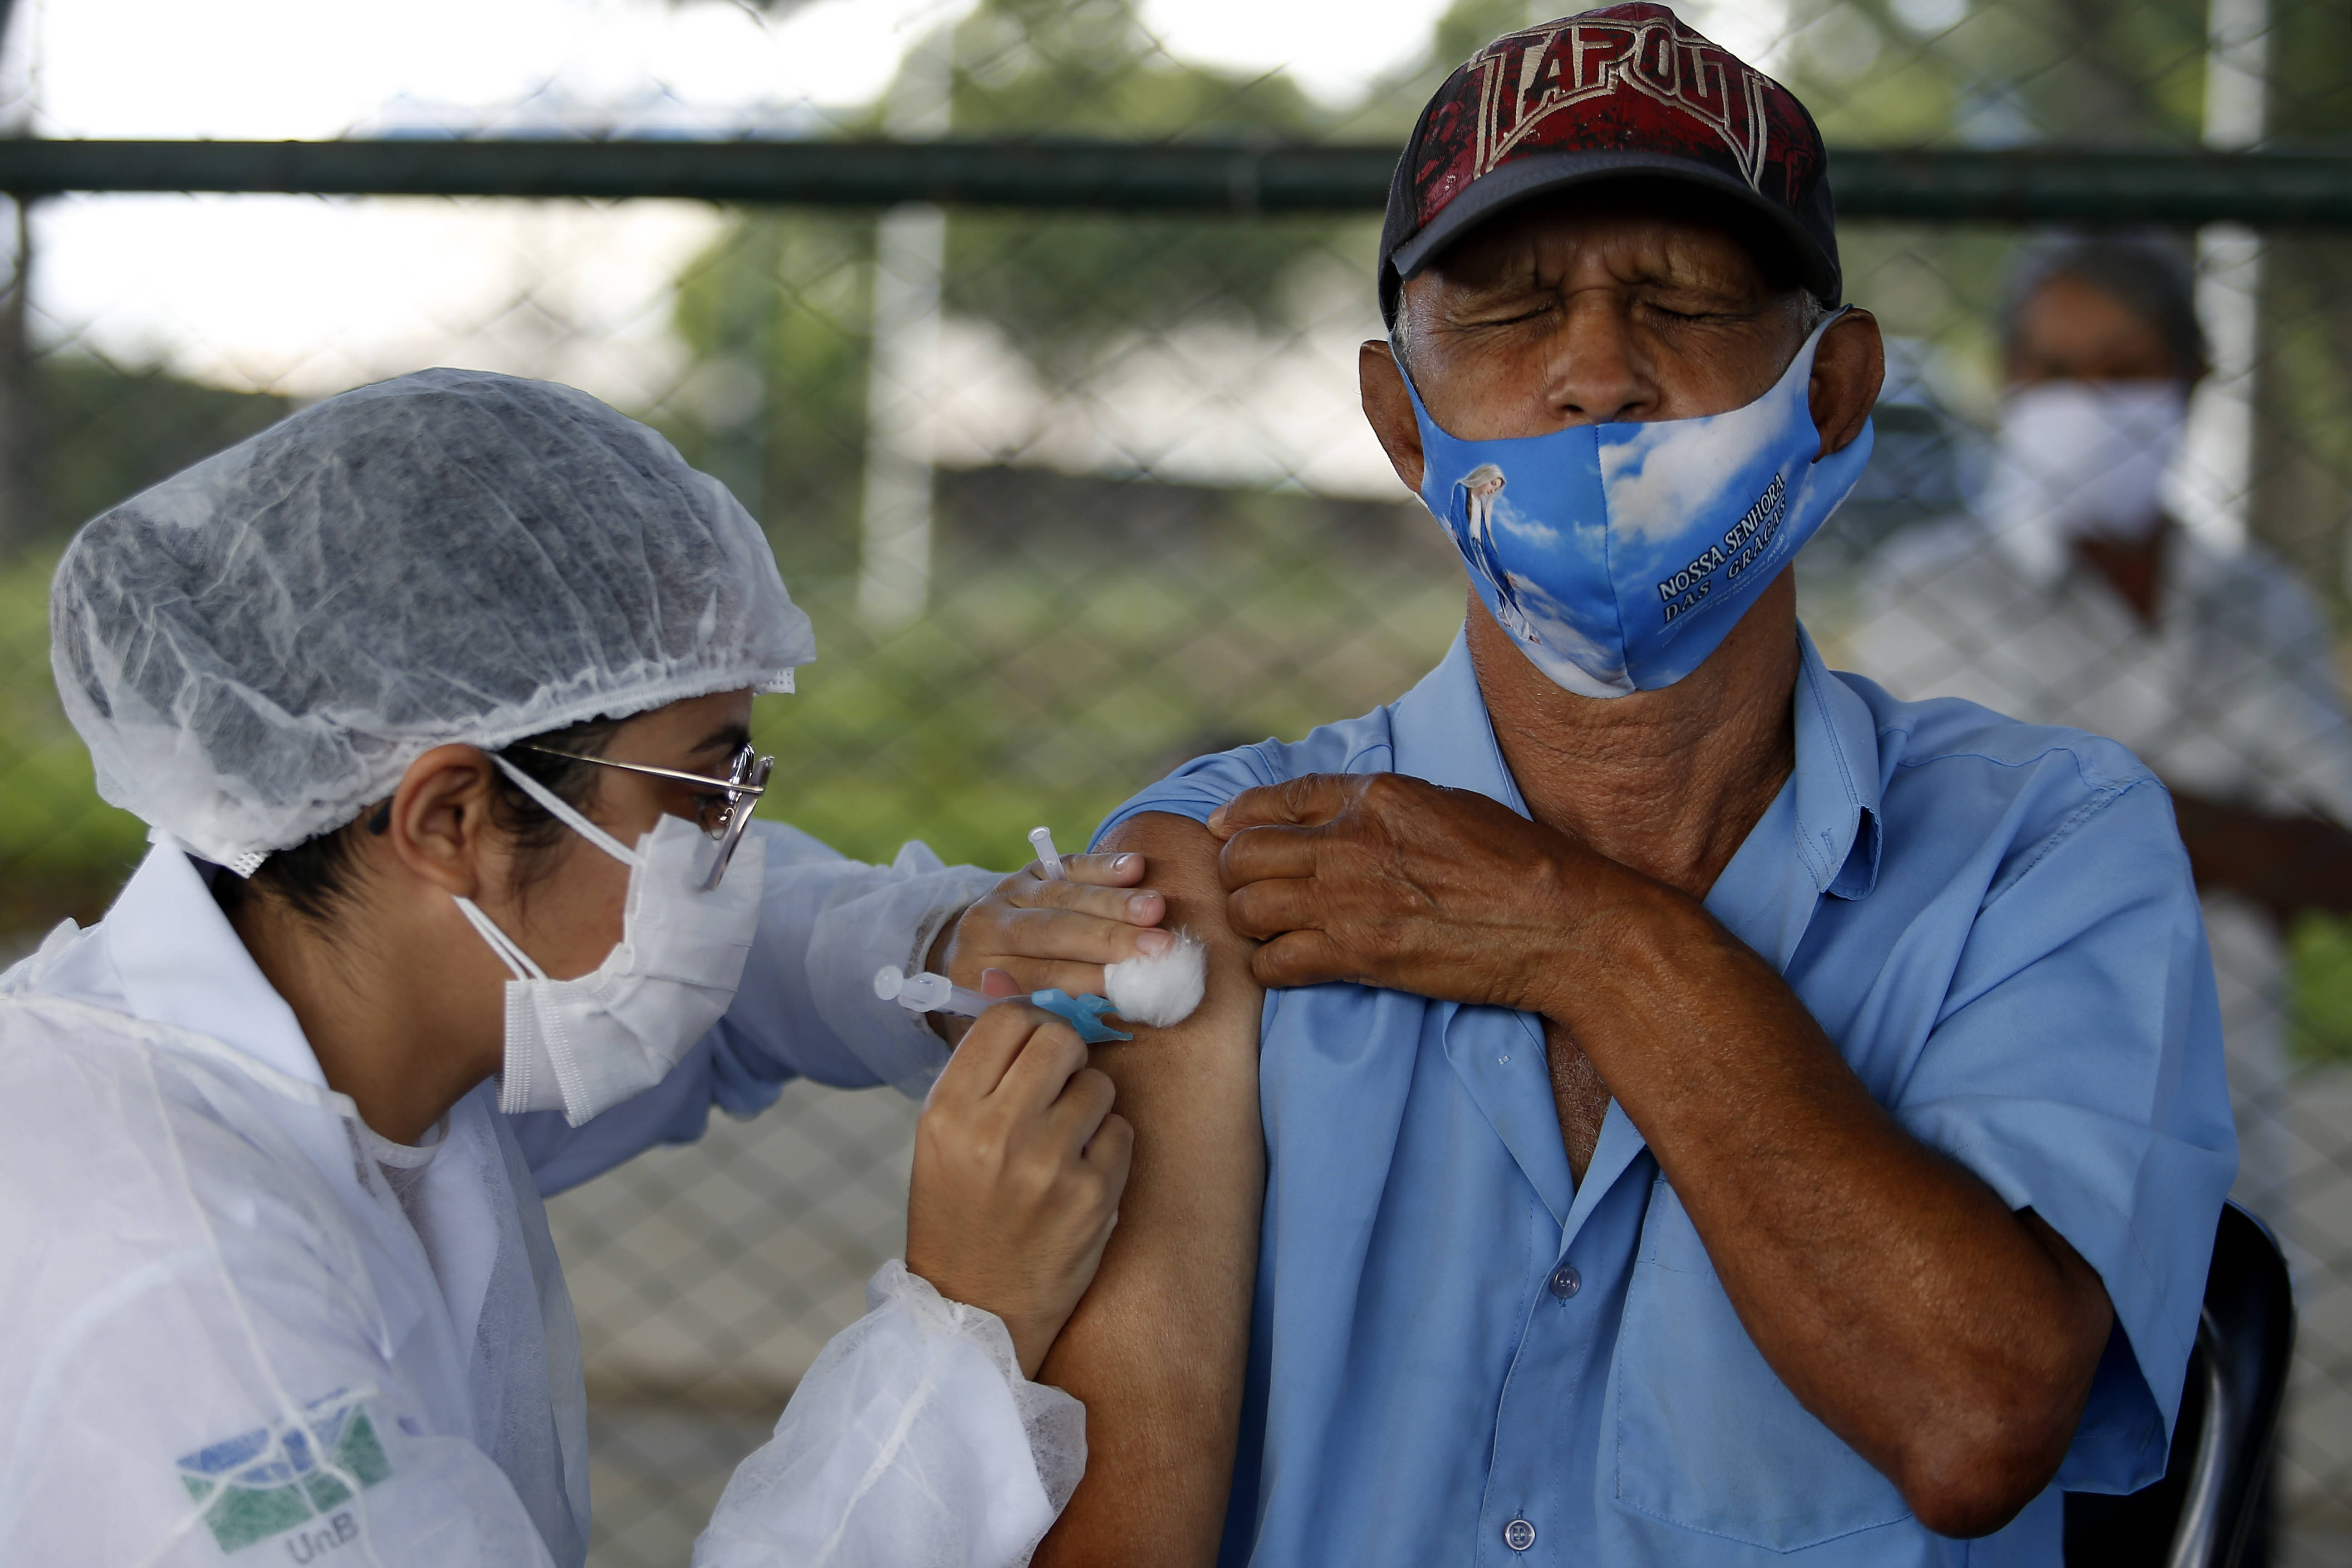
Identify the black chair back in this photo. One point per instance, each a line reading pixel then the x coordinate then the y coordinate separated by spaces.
pixel 2206 1510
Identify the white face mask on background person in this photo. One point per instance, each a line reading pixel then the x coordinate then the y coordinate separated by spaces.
pixel 2082 460
pixel 583 1045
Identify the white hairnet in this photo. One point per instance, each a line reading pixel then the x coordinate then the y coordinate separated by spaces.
pixel 257 648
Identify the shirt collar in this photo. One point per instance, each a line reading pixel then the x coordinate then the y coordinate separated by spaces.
pixel 181 964
pixel 1838 779
pixel 1442 733
pixel 1820 837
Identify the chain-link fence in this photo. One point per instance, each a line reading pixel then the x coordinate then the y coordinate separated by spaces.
pixel 1073 495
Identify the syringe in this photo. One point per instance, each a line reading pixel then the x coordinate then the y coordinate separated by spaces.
pixel 929 993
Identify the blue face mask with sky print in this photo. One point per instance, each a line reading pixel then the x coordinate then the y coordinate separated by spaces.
pixel 1619 556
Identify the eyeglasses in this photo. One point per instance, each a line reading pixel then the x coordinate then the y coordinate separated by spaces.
pixel 724 812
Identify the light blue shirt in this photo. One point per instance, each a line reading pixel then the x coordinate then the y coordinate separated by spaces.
pixel 1994 922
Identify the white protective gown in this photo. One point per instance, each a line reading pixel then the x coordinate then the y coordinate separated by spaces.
pixel 232 1316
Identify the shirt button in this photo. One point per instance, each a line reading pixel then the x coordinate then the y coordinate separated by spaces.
pixel 1565 1282
pixel 1519 1535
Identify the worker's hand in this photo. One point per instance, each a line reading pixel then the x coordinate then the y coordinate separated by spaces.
pixel 1019 1165
pixel 1044 935
pixel 1392 881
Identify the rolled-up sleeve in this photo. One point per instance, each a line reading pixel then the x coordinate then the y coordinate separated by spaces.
pixel 1203 784
pixel 2076 1068
pixel 805 1007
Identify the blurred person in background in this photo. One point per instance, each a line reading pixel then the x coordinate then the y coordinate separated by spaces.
pixel 2069 597
pixel 436 697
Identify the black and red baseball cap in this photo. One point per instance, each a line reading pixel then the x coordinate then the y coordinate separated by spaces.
pixel 1623 93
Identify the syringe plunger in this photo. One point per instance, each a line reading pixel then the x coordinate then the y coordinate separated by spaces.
pixel 1042 840
pixel 929 993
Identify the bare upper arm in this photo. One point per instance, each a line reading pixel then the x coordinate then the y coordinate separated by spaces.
pixel 1156 1350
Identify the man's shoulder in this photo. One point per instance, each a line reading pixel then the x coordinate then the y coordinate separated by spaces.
pixel 1357 745
pixel 1950 766
pixel 1929 729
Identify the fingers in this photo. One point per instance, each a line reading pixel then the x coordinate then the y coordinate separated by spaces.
pixel 1261 854
pixel 1111 1152
pixel 1141 906
pixel 1066 935
pixel 984 1054
pixel 1103 870
pixel 1078 1114
pixel 1037 1068
pixel 1301 958
pixel 999 983
pixel 1302 802
pixel 1029 974
pixel 1102 919
pixel 1264 910
pixel 1048 1059
pixel 1079 922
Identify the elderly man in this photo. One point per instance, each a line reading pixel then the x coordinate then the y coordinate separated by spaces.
pixel 1713 1112
pixel 2071 599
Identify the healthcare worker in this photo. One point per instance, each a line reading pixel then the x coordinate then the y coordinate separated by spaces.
pixel 436 699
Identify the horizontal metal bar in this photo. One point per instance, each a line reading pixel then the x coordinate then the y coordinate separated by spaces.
pixel 1179 178
pixel 2023 186
pixel 2043 186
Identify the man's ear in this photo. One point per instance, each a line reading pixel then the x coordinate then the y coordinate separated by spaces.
pixel 439 826
pixel 1848 368
pixel 1389 407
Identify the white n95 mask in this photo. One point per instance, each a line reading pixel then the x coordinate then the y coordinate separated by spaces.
pixel 583 1045
pixel 2082 460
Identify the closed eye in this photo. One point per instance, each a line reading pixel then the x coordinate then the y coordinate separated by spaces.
pixel 1694 310
pixel 1503 320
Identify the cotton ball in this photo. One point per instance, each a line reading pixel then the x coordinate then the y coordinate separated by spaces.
pixel 1162 990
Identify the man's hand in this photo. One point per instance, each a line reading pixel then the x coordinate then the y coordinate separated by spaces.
pixel 1030 934
pixel 1019 1166
pixel 1387 881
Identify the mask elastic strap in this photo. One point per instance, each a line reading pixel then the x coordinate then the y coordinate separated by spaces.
pixel 522 963
pixel 562 812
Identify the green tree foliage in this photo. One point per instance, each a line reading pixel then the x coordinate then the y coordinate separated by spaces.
pixel 2085 72
pixel 1394 101
pixel 107 433
pixel 1063 287
pixel 2304 461
pixel 775 315
pixel 1468 26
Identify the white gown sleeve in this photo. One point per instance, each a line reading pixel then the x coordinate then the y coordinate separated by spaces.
pixel 805 1008
pixel 913 1442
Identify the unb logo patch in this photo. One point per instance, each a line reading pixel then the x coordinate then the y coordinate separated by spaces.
pixel 272 1479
